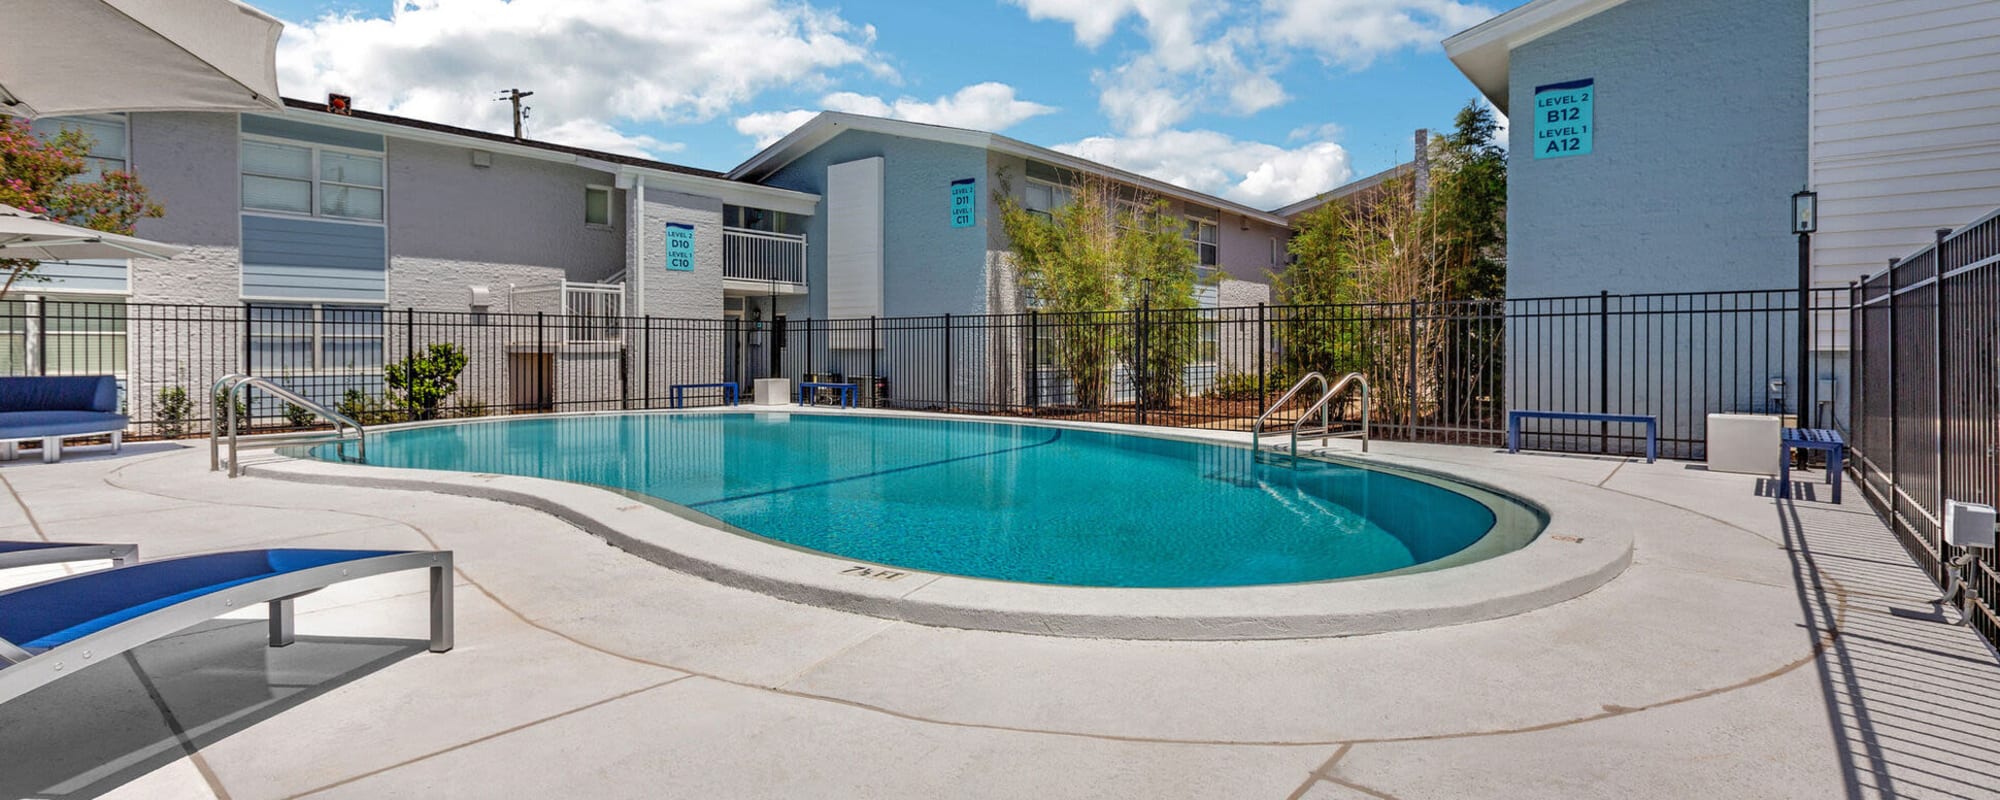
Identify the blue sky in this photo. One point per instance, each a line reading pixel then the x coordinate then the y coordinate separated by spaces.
pixel 1260 101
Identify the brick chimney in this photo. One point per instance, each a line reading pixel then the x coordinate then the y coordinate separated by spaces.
pixel 1421 179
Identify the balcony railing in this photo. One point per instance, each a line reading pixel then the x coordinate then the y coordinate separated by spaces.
pixel 591 310
pixel 762 256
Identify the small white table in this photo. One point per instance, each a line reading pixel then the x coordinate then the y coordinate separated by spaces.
pixel 771 391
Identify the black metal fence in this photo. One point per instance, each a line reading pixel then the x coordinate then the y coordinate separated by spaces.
pixel 1440 372
pixel 1927 396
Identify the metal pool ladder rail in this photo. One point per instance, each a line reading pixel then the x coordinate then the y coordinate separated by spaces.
pixel 231 386
pixel 1321 405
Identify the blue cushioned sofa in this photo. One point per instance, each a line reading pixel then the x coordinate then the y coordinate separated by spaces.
pixel 54 408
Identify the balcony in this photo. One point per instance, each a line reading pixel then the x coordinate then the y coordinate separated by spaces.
pixel 761 262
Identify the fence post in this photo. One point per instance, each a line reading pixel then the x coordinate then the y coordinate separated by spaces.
pixel 409 360
pixel 541 379
pixel 1410 421
pixel 1263 392
pixel 1895 414
pixel 1143 365
pixel 646 366
pixel 874 363
pixel 1034 360
pixel 947 362
pixel 1603 367
pixel 807 375
pixel 41 335
pixel 1943 360
pixel 249 314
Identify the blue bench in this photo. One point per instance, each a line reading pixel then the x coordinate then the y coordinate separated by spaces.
pixel 1651 422
pixel 847 392
pixel 28 554
pixel 54 628
pixel 56 408
pixel 1826 439
pixel 728 389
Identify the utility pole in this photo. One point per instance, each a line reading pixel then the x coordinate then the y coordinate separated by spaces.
pixel 520 112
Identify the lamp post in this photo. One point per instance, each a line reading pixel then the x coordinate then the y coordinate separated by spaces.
pixel 1805 220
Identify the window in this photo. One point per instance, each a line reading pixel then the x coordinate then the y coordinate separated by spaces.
pixel 1202 234
pixel 289 340
pixel 311 180
pixel 75 337
pixel 596 206
pixel 1274 251
pixel 1044 198
pixel 765 220
pixel 107 140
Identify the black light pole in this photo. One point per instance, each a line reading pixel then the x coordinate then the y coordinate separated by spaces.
pixel 1805 220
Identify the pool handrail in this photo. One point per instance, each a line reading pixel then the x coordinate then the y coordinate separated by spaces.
pixel 1321 405
pixel 225 391
pixel 1257 427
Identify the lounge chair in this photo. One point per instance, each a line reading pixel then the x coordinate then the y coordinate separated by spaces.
pixel 28 554
pixel 52 409
pixel 56 627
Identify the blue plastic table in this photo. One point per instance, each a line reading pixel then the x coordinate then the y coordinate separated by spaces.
pixel 728 388
pixel 1651 422
pixel 1826 439
pixel 847 392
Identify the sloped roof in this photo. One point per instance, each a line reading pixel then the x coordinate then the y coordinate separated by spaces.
pixel 1483 51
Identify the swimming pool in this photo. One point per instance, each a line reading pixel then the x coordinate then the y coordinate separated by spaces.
pixel 1015 502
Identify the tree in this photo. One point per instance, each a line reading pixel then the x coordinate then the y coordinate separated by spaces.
pixel 1467 206
pixel 1109 250
pixel 46 177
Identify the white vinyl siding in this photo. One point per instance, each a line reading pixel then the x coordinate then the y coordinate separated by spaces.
pixel 854 217
pixel 1905 127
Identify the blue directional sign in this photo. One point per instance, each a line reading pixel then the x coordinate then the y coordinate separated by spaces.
pixel 680 247
pixel 1563 124
pixel 964 202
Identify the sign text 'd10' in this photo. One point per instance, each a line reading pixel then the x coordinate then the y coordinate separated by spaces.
pixel 680 247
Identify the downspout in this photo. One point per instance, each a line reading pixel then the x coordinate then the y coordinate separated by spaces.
pixel 637 269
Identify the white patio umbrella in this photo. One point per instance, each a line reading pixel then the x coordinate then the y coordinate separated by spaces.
pixel 38 238
pixel 60 57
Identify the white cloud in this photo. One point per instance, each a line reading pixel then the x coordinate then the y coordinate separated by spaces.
pixel 590 64
pixel 982 106
pixel 1185 68
pixel 1353 33
pixel 595 135
pixel 1500 128
pixel 986 106
pixel 1252 173
pixel 769 126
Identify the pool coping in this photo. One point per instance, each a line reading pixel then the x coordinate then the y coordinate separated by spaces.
pixel 1587 543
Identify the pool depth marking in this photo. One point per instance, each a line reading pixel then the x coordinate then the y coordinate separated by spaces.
pixel 877 473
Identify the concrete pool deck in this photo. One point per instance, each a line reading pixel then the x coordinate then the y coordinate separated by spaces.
pixel 1754 648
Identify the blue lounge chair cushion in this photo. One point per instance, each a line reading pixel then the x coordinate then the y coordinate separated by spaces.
pixel 47 615
pixel 33 424
pixel 60 393
pixel 15 547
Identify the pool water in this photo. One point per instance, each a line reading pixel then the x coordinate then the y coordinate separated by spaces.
pixel 994 500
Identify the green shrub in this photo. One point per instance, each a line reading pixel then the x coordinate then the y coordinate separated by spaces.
pixel 171 410
pixel 1234 386
pixel 299 416
pixel 221 407
pixel 424 380
pixel 363 408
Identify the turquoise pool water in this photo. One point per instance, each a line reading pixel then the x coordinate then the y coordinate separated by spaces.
pixel 996 500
